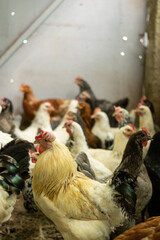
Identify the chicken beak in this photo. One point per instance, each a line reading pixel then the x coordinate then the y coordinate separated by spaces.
pixel 114 114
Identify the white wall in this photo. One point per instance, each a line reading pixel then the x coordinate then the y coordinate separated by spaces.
pixel 81 38
pixel 16 16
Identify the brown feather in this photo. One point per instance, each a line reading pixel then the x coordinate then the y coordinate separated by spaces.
pixel 85 112
pixel 149 230
pixel 31 104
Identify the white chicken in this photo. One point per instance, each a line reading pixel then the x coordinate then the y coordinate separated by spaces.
pixel 59 131
pixel 145 120
pixel 112 158
pixel 80 145
pixel 4 139
pixel 40 121
pixel 101 127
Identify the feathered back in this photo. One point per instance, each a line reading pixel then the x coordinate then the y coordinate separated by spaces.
pixel 54 167
pixel 18 149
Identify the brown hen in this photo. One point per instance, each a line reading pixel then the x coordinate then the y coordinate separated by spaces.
pixel 85 113
pixel 31 104
pixel 149 230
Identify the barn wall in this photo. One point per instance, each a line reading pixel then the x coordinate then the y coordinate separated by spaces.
pixel 15 17
pixel 152 69
pixel 81 38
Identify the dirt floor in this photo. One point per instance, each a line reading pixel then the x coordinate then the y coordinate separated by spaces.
pixel 28 226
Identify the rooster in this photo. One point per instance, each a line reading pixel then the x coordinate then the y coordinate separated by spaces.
pixel 82 208
pixel 41 120
pixel 14 169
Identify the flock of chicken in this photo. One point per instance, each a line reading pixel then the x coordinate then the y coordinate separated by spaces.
pixel 87 164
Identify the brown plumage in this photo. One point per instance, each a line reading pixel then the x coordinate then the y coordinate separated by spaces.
pixel 85 113
pixel 31 104
pixel 149 230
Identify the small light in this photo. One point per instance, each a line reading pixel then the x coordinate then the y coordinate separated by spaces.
pixel 125 38
pixel 122 53
pixel 13 13
pixel 11 80
pixel 25 41
pixel 140 57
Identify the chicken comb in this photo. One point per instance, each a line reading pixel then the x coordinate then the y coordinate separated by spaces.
pixel 78 78
pixel 22 85
pixel 116 109
pixel 132 126
pixel 41 135
pixel 68 123
pixel 50 103
pixel 146 130
pixel 143 99
pixel 139 105
pixel 96 110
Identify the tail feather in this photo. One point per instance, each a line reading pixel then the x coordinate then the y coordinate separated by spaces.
pixel 15 180
pixel 122 102
pixel 14 165
pixel 9 187
pixel 18 150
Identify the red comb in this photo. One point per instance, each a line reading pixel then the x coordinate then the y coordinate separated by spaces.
pixel 68 122
pixel 146 130
pixel 41 135
pixel 22 85
pixel 116 109
pixel 139 105
pixel 78 78
pixel 143 99
pixel 50 103
pixel 132 126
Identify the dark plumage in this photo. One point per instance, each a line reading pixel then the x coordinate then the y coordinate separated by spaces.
pixel 105 105
pixel 83 165
pixel 14 165
pixel 152 163
pixel 18 150
pixel 6 116
pixel 126 173
pixel 125 177
pixel 27 192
